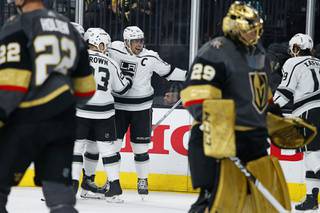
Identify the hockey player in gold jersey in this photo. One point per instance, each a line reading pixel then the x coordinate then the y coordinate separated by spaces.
pixel 227 94
pixel 44 72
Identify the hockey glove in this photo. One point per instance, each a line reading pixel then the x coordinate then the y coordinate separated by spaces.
pixel 288 132
pixel 274 109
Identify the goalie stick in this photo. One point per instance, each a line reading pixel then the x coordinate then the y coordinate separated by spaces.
pixel 264 191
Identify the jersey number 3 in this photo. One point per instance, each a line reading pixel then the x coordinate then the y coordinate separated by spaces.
pixel 103 78
pixel 53 54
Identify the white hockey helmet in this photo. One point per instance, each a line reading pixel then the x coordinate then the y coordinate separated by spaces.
pixel 96 36
pixel 132 33
pixel 78 27
pixel 302 41
pixel 10 1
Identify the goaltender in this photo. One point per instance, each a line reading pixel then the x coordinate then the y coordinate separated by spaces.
pixel 227 94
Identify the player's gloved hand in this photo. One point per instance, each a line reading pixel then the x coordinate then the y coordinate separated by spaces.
pixel 275 109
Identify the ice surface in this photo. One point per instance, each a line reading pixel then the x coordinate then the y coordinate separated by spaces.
pixel 28 200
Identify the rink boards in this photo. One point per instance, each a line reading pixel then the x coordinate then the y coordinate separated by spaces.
pixel 169 164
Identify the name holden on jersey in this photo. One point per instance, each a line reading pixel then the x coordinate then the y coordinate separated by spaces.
pixel 52 24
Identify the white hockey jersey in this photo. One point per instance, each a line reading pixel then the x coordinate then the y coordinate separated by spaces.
pixel 140 95
pixel 300 84
pixel 108 78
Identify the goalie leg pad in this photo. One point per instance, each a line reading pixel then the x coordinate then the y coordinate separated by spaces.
pixel 231 191
pixel 268 171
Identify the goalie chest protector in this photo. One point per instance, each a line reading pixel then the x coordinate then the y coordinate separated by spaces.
pixel 240 75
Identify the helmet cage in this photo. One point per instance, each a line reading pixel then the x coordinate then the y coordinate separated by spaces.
pixel 243 23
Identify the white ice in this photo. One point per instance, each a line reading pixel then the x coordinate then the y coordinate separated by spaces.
pixel 28 200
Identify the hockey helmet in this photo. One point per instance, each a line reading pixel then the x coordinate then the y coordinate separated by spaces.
pixel 132 33
pixel 78 27
pixel 96 37
pixel 243 23
pixel 299 42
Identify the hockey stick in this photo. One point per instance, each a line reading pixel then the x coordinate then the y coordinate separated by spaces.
pixel 264 191
pixel 167 114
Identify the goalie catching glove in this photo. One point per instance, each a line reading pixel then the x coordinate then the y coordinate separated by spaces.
pixel 288 132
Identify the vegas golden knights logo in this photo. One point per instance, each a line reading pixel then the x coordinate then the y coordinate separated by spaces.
pixel 259 89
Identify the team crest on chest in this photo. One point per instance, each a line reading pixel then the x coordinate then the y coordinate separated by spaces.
pixel 259 89
pixel 128 67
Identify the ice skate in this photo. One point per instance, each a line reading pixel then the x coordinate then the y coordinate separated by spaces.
pixel 310 203
pixel 113 193
pixel 89 189
pixel 142 187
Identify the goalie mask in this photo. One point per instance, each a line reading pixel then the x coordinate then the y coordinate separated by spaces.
pixel 300 42
pixel 98 38
pixel 133 38
pixel 243 23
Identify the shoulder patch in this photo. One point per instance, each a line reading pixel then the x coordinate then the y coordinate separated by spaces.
pixel 216 43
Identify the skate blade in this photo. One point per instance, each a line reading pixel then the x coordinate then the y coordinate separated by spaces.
pixel 91 195
pixel 114 199
pixel 307 211
pixel 143 197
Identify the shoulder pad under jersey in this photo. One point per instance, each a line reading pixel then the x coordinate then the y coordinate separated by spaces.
pixel 117 45
pixel 217 50
pixel 12 25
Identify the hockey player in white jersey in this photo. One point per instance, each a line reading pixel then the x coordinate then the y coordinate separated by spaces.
pixel 300 87
pixel 91 158
pixel 134 108
pixel 96 122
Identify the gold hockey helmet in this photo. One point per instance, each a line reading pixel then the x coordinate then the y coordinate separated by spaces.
pixel 243 23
